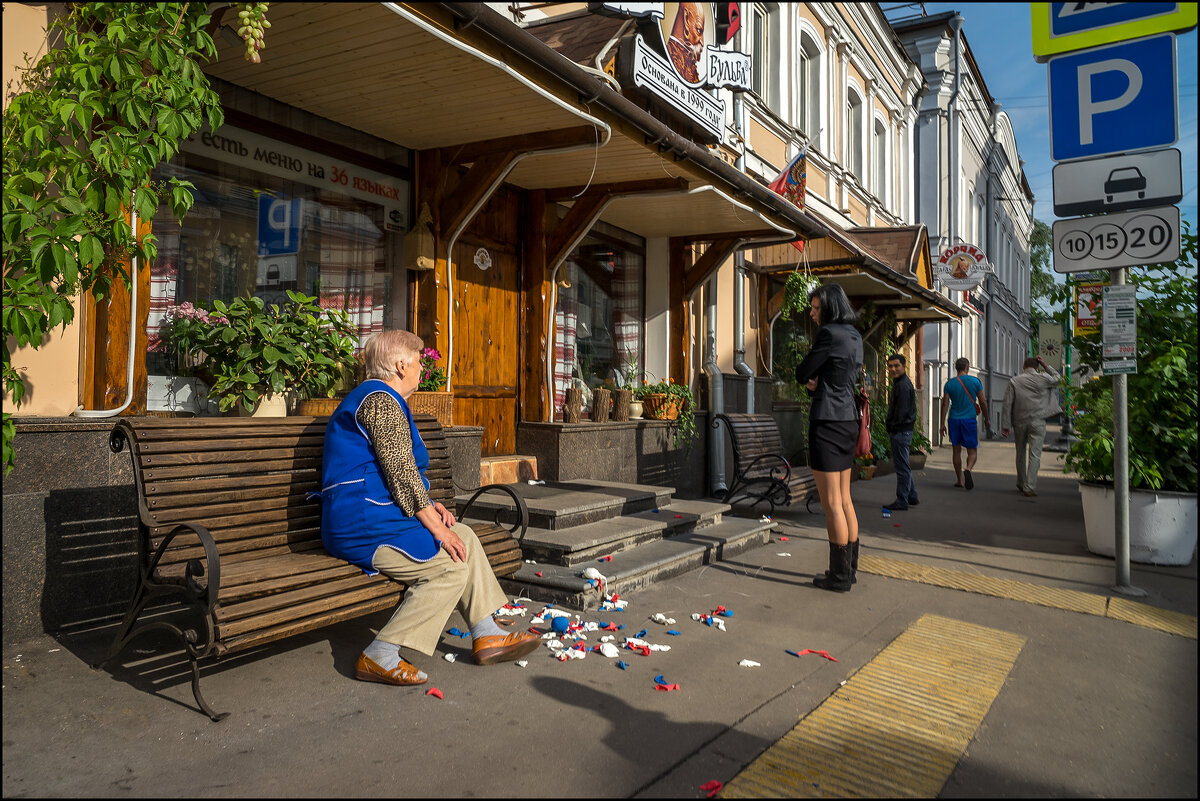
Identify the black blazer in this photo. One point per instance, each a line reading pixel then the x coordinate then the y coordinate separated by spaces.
pixel 836 362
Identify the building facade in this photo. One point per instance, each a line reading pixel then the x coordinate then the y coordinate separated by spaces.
pixel 970 189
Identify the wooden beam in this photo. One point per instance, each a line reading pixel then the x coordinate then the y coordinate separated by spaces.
pixel 537 345
pixel 758 233
pixel 578 220
pixel 677 306
pixel 559 193
pixel 522 143
pixel 431 303
pixel 454 206
pixel 718 251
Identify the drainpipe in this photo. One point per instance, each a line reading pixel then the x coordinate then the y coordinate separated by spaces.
pixel 952 229
pixel 134 266
pixel 739 277
pixel 988 279
pixel 716 394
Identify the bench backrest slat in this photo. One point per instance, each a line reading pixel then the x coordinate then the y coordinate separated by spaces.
pixel 244 479
pixel 753 435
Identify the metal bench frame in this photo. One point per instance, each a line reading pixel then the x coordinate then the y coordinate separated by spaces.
pixel 760 473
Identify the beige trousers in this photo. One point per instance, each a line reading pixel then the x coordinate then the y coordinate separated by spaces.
pixel 437 587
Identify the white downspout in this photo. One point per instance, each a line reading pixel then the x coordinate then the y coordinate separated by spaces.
pixel 134 267
pixel 952 229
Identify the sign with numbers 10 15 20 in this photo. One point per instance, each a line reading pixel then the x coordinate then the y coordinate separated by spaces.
pixel 1110 241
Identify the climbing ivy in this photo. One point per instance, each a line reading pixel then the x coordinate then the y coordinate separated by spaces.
pixel 117 93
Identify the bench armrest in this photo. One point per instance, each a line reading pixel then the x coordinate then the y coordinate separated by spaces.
pixel 522 511
pixel 194 568
pixel 777 465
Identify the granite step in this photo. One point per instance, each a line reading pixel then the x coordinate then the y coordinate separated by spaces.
pixel 640 566
pixel 562 504
pixel 577 544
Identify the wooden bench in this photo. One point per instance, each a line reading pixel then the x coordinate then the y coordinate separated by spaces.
pixel 226 528
pixel 760 470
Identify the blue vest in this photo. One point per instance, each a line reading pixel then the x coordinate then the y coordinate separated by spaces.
pixel 358 513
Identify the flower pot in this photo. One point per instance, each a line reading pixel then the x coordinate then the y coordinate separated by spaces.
pixel 601 405
pixel 269 405
pixel 1162 525
pixel 660 406
pixel 916 461
pixel 317 407
pixel 866 473
pixel 621 399
pixel 635 410
pixel 438 404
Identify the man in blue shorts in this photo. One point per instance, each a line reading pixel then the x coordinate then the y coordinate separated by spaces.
pixel 963 398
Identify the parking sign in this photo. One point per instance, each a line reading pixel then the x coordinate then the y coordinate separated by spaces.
pixel 1114 99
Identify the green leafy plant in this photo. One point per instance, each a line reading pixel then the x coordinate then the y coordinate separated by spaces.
pixel 246 349
pixel 685 401
pixel 117 92
pixel 796 289
pixel 1162 394
pixel 433 375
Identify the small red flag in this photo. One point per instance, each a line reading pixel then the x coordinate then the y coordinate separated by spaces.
pixel 790 184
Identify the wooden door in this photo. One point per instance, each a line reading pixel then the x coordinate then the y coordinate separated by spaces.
pixel 487 306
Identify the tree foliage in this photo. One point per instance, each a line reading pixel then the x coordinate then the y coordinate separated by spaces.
pixel 116 95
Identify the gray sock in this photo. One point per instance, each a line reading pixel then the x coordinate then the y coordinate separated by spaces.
pixel 387 656
pixel 486 628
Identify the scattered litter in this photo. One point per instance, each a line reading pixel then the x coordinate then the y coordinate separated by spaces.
pixel 607 626
pixel 764 519
pixel 530 562
pixel 710 620
pixel 712 788
pixel 512 609
pixel 609 650
pixel 450 657
pixel 535 481
pixel 749 663
pixel 778 554
pixel 538 574
pixel 457 632
pixel 523 663
pixel 570 653
pixel 895 525
pixel 613 603
pixel 560 625
pixel 53 650
pixel 434 691
pixel 843 684
pixel 604 559
pixel 622 665
pixel 674 632
pixel 812 651
pixel 666 687
pixel 784 539
pixel 659 617
pixel 678 517
pixel 640 634
pixel 554 645
pixel 887 514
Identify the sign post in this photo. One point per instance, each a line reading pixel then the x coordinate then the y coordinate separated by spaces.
pixel 1121 466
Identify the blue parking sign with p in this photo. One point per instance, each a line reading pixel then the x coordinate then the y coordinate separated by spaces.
pixel 1115 99
pixel 278 225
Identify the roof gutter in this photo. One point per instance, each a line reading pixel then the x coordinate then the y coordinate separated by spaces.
pixel 484 19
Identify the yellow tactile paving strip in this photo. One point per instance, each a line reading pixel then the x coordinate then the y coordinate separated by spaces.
pixel 1056 598
pixel 898 726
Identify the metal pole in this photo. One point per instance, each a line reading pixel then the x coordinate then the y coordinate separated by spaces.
pixel 1121 470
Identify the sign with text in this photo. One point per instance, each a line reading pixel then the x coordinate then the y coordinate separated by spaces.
pixel 961 267
pixel 282 160
pixel 654 74
pixel 1089 300
pixel 1114 99
pixel 1120 315
pixel 1109 241
pixel 1063 27
pixel 1118 183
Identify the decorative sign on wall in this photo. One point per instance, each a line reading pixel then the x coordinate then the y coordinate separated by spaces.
pixel 961 267
pixel 483 259
pixel 675 55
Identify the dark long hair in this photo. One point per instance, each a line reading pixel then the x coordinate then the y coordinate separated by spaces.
pixel 835 306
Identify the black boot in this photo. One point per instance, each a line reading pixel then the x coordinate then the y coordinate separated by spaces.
pixel 854 562
pixel 837 578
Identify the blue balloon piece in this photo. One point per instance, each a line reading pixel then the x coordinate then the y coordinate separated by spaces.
pixel 560 624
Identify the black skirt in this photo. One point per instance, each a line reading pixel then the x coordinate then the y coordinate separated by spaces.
pixel 831 444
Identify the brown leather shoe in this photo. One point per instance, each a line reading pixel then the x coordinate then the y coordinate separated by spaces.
pixel 404 674
pixel 496 648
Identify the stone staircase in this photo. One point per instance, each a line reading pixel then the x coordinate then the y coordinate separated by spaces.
pixel 649 535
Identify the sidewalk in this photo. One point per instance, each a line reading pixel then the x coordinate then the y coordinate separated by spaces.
pixel 1092 706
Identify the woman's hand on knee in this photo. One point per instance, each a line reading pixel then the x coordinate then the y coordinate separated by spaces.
pixel 453 544
pixel 446 515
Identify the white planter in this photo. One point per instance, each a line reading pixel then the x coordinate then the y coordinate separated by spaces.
pixel 269 405
pixel 635 410
pixel 1162 525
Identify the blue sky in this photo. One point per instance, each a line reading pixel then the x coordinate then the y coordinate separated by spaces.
pixel 999 36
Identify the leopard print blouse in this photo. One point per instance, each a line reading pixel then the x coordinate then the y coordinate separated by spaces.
pixel 387 429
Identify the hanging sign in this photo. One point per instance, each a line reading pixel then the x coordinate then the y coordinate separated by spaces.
pixel 961 267
pixel 1089 300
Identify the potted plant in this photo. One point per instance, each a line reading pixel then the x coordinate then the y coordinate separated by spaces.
pixel 667 400
pixel 431 396
pixel 251 355
pixel 1162 423
pixel 921 447
pixel 625 407
pixel 864 466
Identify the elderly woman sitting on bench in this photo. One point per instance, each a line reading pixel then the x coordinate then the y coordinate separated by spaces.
pixel 376 514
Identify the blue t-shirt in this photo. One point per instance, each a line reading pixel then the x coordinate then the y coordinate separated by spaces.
pixel 962 404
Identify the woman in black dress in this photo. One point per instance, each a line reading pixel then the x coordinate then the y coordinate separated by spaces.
pixel 830 371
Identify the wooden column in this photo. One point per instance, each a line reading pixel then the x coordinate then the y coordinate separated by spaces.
pixel 432 303
pixel 680 367
pixel 106 351
pixel 537 350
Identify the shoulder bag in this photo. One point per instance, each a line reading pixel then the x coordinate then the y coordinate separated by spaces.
pixel 863 446
pixel 974 402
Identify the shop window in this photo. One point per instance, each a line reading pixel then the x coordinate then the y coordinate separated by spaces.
pixel 252 233
pixel 599 312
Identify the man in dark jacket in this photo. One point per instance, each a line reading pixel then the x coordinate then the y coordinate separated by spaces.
pixel 901 416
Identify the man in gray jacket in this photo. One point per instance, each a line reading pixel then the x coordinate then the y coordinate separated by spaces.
pixel 1028 401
